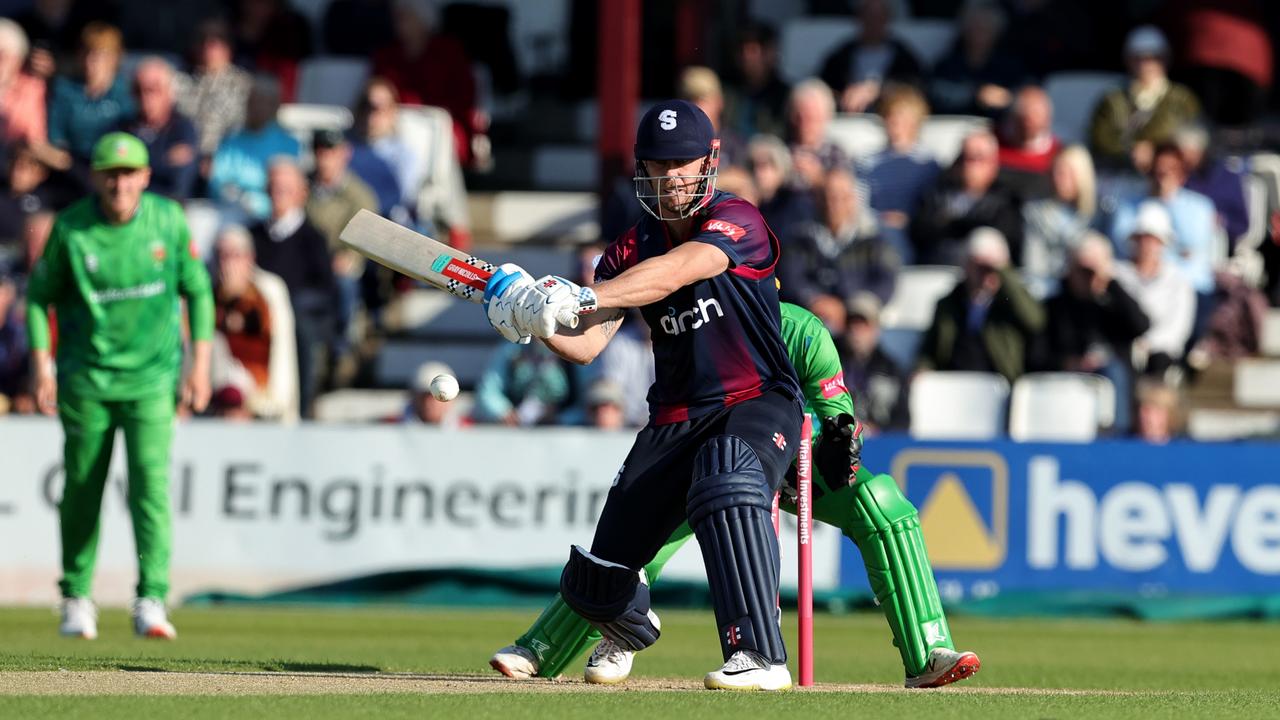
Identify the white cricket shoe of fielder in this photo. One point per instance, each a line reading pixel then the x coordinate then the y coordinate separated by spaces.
pixel 515 662
pixel 79 618
pixel 945 667
pixel 151 621
pixel 748 670
pixel 609 664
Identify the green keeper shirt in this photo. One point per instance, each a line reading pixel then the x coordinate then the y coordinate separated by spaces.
pixel 116 291
pixel 817 363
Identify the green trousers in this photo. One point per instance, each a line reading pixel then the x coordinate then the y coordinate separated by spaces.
pixel 89 426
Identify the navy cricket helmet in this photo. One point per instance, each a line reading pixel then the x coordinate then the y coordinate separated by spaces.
pixel 676 130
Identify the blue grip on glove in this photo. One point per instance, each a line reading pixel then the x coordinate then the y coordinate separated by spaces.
pixel 498 284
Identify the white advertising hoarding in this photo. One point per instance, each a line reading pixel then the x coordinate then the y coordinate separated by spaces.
pixel 262 508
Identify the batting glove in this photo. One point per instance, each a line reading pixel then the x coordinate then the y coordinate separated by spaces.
pixel 550 302
pixel 500 295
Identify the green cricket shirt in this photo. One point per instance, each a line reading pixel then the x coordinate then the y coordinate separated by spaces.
pixel 817 363
pixel 116 289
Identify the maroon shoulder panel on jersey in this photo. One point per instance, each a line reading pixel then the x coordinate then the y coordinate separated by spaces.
pixel 621 254
pixel 736 227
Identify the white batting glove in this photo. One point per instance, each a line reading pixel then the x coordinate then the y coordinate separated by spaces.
pixel 550 302
pixel 500 296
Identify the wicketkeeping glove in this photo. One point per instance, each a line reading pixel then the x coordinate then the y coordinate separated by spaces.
pixel 839 452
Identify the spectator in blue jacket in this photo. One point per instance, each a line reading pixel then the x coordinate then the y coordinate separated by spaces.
pixel 170 137
pixel 238 177
pixel 900 174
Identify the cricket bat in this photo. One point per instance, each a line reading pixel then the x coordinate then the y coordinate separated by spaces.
pixel 418 256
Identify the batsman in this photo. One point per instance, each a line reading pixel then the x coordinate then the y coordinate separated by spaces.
pixel 114 269
pixel 867 508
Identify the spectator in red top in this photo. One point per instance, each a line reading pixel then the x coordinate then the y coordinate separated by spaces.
pixel 1028 145
pixel 22 100
pixel 431 69
pixel 1224 55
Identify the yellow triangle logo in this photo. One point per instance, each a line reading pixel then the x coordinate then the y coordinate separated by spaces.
pixel 954 531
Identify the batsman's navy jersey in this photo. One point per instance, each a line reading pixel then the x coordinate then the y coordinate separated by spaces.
pixel 718 341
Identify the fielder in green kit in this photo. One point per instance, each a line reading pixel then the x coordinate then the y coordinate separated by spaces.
pixel 869 509
pixel 114 269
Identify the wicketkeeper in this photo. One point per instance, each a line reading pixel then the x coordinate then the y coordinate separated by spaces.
pixel 114 269
pixel 869 509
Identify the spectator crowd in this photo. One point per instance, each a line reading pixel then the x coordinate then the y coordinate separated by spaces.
pixel 1124 255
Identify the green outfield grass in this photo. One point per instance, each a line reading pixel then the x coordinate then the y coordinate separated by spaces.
pixel 1160 670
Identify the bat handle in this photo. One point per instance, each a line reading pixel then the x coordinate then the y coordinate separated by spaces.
pixel 567 318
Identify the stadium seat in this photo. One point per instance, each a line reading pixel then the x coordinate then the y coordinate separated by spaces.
pixel 1257 383
pixel 1060 407
pixel 861 135
pixel 331 80
pixel 399 360
pixel 1074 96
pixel 520 216
pixel 917 293
pixel 429 130
pixel 805 42
pixel 1266 166
pixel 204 220
pixel 302 119
pixel 1208 424
pixel 360 406
pixel 1271 333
pixel 929 39
pixel 566 167
pixel 942 135
pixel 902 345
pixel 958 405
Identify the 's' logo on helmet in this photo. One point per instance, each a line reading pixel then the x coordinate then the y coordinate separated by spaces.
pixel 667 119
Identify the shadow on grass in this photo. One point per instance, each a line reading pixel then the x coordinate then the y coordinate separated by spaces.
pixel 217 666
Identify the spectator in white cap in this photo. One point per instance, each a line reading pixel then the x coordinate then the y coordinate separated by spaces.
pixel 1160 288
pixel 423 408
pixel 605 400
pixel 1128 122
pixel 1195 223
pixel 987 321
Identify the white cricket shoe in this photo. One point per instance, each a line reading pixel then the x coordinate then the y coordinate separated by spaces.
pixel 945 667
pixel 79 618
pixel 151 621
pixel 515 662
pixel 748 670
pixel 609 664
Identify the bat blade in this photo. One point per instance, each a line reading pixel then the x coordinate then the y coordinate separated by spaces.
pixel 418 256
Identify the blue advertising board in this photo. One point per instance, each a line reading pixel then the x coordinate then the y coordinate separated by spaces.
pixel 1109 516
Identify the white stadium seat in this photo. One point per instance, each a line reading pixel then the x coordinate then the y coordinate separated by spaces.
pixel 1271 333
pixel 958 405
pixel 429 130
pixel 519 216
pixel 302 119
pixel 204 221
pixel 1257 383
pixel 861 135
pixel 1074 96
pixel 331 80
pixel 1206 424
pixel 942 135
pixel 918 290
pixel 1060 407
